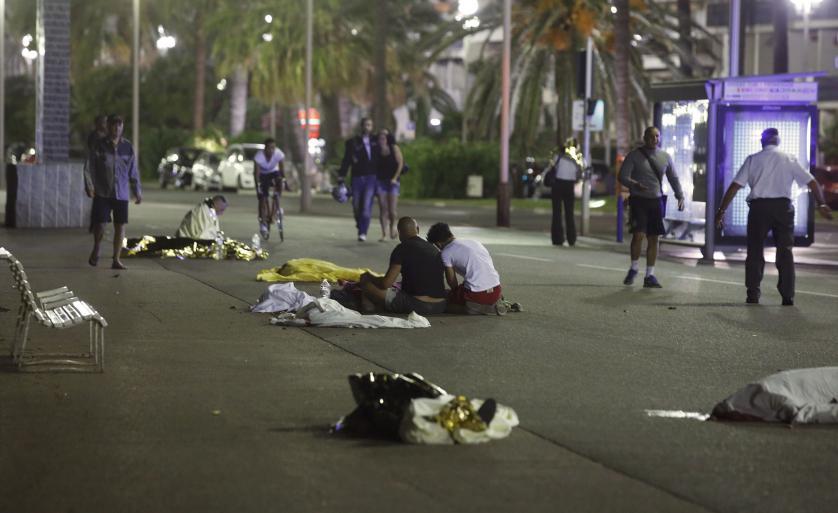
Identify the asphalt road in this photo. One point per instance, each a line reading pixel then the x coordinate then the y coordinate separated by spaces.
pixel 581 365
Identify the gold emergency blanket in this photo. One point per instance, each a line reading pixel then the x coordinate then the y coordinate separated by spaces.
pixel 312 270
pixel 163 246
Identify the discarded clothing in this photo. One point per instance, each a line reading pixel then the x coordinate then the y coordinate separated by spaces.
pixel 200 223
pixel 311 270
pixel 798 396
pixel 281 297
pixel 409 408
pixel 328 313
pixel 163 246
pixel 448 419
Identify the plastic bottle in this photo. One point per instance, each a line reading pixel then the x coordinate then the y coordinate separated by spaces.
pixel 219 247
pixel 325 288
pixel 256 242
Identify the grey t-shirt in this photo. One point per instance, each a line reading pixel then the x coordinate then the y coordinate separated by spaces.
pixel 637 167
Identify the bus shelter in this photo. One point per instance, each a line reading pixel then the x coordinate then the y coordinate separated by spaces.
pixel 709 128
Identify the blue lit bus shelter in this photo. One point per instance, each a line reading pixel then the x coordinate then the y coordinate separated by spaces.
pixel 710 127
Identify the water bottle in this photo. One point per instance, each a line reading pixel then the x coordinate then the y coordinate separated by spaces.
pixel 256 242
pixel 219 247
pixel 325 288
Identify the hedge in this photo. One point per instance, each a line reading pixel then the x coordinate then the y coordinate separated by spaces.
pixel 439 169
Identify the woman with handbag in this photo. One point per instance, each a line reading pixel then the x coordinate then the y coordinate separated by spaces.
pixel 562 180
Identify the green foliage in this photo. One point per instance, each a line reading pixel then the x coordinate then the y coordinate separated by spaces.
pixel 154 141
pixel 829 143
pixel 439 169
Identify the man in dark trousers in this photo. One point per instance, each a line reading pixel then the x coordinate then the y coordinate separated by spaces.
pixel 565 173
pixel 111 178
pixel 770 174
pixel 359 154
pixel 642 173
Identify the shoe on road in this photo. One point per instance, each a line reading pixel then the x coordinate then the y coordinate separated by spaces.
pixel 362 237
pixel 650 282
pixel 752 300
pixel 787 301
pixel 629 279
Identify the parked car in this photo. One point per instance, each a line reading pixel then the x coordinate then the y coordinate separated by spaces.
pixel 205 173
pixel 236 168
pixel 601 182
pixel 827 176
pixel 175 167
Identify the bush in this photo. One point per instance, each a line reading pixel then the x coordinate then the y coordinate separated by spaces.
pixel 439 169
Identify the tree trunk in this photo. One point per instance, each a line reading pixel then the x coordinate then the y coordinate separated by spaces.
pixel 781 37
pixel 330 123
pixel 621 80
pixel 238 101
pixel 684 38
pixel 200 72
pixel 380 106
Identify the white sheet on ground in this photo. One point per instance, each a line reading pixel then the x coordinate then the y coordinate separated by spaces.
pixel 281 297
pixel 329 313
pixel 419 426
pixel 800 396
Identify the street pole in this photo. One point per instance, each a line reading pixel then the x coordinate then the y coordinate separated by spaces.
pixel 3 88
pixel 586 148
pixel 735 34
pixel 135 97
pixel 305 190
pixel 503 185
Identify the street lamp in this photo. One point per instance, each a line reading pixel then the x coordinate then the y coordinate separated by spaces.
pixel 805 7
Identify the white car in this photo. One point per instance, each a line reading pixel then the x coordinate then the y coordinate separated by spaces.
pixel 236 168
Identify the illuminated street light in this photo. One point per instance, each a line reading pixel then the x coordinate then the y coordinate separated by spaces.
pixel 26 41
pixel 613 10
pixel 222 84
pixel 269 18
pixel 805 7
pixel 267 37
pixel 165 41
pixel 471 23
pixel 466 8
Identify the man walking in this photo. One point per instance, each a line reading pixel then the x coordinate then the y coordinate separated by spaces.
pixel 359 154
pixel 268 172
pixel 566 171
pixel 770 174
pixel 642 173
pixel 110 178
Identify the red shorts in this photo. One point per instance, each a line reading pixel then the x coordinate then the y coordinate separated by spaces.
pixel 460 295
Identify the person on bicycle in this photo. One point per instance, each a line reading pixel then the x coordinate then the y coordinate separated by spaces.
pixel 268 173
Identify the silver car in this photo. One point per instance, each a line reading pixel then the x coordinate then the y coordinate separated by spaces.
pixel 205 173
pixel 236 168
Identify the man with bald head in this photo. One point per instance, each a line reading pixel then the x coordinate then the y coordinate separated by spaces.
pixel 417 260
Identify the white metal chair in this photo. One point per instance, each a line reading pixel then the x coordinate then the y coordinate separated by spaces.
pixel 57 308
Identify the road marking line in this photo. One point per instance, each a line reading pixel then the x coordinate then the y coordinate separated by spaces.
pixel 537 259
pixel 709 280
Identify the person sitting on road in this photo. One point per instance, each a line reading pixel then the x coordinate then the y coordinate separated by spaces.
pixel 480 292
pixel 417 260
pixel 202 221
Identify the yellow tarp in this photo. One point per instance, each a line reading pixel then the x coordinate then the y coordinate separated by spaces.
pixel 311 269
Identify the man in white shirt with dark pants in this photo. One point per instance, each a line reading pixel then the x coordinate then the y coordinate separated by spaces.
pixel 770 174
pixel 268 172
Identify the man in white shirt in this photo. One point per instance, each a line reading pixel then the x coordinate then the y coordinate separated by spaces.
pixel 565 171
pixel 770 174
pixel 480 292
pixel 268 171
pixel 202 221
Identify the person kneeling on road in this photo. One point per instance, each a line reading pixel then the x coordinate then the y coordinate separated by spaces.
pixel 417 260
pixel 202 221
pixel 480 292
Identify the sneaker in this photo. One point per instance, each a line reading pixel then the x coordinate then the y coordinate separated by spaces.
pixel 263 231
pixel 362 237
pixel 650 282
pixel 787 301
pixel 752 300
pixel 629 279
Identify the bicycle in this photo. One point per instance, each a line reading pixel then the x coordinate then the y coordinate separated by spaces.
pixel 275 212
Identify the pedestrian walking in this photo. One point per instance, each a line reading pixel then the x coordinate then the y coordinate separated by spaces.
pixel 111 178
pixel 770 174
pixel 565 172
pixel 642 173
pixel 388 171
pixel 268 175
pixel 359 157
pixel 100 130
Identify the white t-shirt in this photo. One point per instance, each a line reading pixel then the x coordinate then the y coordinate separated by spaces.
pixel 472 261
pixel 266 166
pixel 770 174
pixel 566 168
